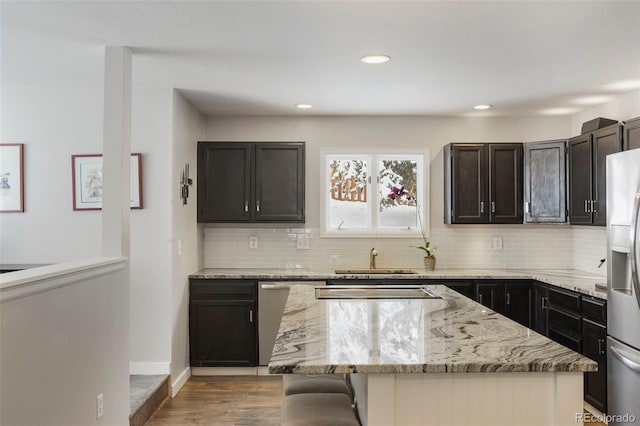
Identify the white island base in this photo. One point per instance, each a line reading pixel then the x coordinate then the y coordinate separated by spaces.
pixel 494 399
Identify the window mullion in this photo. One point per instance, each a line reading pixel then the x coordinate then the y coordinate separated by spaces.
pixel 373 205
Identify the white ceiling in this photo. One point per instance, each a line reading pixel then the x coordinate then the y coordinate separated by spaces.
pixel 262 57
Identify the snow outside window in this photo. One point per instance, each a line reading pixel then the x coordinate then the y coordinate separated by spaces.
pixel 355 194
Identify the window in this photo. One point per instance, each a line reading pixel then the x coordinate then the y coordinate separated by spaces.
pixel 355 194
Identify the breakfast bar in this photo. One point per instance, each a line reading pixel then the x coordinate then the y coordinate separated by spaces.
pixel 437 358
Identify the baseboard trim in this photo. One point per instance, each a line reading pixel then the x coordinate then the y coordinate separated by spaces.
pixel 148 368
pixel 224 371
pixel 180 381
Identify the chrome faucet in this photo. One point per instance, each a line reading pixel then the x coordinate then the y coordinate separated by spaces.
pixel 372 258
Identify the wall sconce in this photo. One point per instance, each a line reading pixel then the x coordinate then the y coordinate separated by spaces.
pixel 184 184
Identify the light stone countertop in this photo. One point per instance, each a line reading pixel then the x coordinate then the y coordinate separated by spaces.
pixel 582 282
pixel 449 335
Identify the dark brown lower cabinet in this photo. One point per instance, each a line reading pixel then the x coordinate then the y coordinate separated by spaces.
pixel 539 308
pixel 517 302
pixel 490 295
pixel 223 323
pixel 463 287
pixel 594 346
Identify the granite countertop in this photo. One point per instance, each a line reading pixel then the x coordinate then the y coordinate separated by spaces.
pixel 582 282
pixel 449 335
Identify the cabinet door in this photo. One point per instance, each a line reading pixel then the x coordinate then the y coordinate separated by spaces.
pixel 224 182
pixel 279 189
pixel 605 141
pixel 517 302
pixel 594 338
pixel 490 295
pixel 463 287
pixel 631 134
pixel 469 191
pixel 580 179
pixel 545 182
pixel 222 333
pixel 505 183
pixel 539 309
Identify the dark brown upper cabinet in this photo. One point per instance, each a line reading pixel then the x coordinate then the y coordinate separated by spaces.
pixel 587 174
pixel 545 182
pixel 251 182
pixel 631 134
pixel 483 183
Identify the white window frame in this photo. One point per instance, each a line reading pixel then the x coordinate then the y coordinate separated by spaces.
pixel 373 156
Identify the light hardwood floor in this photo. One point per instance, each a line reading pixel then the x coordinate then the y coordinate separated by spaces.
pixel 224 400
pixel 228 400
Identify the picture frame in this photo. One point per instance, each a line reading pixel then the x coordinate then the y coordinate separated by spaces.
pixel 11 178
pixel 86 170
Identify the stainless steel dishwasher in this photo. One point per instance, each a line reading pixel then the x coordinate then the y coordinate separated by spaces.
pixel 272 298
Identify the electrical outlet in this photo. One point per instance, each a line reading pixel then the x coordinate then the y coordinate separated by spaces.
pixel 497 243
pixel 253 242
pixel 99 406
pixel 302 243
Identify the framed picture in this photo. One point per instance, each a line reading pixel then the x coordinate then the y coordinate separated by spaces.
pixel 11 177
pixel 87 181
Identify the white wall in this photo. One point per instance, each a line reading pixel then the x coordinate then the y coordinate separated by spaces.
pixel 63 346
pixel 53 122
pixel 186 254
pixel 150 290
pixel 621 108
pixel 57 114
pixel 458 246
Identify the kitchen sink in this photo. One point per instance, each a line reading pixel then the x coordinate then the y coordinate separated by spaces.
pixel 376 292
pixel 375 271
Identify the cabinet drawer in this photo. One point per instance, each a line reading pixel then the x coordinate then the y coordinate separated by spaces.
pixel 594 309
pixel 223 289
pixel 565 323
pixel 571 342
pixel 565 299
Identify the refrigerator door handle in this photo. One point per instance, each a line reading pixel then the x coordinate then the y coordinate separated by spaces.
pixel 633 255
pixel 632 364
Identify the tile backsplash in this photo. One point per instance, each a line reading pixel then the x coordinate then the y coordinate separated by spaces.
pixel 459 246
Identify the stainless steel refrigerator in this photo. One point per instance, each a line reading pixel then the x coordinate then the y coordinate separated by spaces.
pixel 623 280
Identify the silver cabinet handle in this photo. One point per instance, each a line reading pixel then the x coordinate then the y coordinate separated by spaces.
pixel 508 298
pixel 601 346
pixel 250 315
pixel 493 207
pixel 633 255
pixel 246 206
pixel 258 205
pixel 481 206
pixel 527 207
pixel 586 206
pixel 480 298
pixel 592 203
pixel 631 364
pixel 543 303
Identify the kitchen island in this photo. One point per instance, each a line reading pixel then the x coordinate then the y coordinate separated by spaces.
pixel 447 361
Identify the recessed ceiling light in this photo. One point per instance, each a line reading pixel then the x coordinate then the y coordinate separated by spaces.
pixel 304 106
pixel 483 106
pixel 375 59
